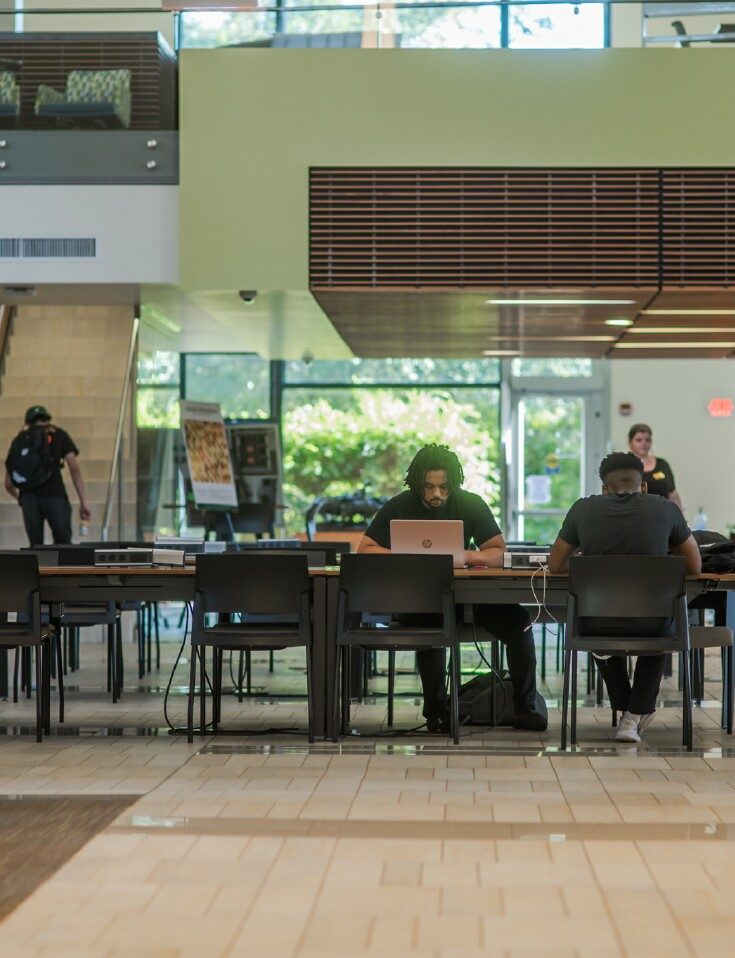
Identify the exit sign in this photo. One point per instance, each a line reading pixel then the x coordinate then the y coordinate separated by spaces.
pixel 720 407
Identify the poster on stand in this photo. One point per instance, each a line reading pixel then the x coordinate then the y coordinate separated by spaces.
pixel 208 455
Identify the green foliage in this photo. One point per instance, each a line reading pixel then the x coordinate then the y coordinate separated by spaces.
pixel 369 441
pixel 157 408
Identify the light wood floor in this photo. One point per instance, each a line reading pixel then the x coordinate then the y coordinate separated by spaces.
pixel 257 845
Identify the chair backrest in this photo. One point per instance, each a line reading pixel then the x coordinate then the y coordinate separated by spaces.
pixel 627 586
pixel 18 578
pixel 396 583
pixel 252 582
pixel 94 86
pixel 315 558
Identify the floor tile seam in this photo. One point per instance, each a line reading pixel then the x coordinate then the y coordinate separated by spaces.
pixel 672 912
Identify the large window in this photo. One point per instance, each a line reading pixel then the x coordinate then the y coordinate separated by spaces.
pixel 354 425
pixel 239 382
pixel 158 390
pixel 494 24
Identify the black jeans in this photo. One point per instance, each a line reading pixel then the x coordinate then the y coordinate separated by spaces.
pixel 509 624
pixel 56 510
pixel 640 699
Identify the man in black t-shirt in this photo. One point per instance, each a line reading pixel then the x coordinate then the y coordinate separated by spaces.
pixel 626 521
pixel 48 501
pixel 434 481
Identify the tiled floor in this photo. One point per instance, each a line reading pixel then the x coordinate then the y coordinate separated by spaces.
pixel 258 846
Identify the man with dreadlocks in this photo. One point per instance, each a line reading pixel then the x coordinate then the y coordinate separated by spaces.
pixel 625 521
pixel 434 479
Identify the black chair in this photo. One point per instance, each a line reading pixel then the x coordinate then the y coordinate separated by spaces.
pixel 20 595
pixel 399 585
pixel 272 593
pixel 616 588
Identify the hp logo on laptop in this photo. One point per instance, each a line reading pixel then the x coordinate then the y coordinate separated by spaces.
pixel 426 543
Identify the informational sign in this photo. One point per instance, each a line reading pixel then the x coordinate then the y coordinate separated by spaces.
pixel 551 464
pixel 210 468
pixel 538 490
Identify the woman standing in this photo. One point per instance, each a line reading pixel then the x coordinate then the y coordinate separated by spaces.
pixel 657 472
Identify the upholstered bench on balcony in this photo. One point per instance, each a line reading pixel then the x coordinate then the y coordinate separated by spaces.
pixel 92 97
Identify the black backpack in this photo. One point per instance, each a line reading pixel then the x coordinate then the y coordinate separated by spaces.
pixel 717 552
pixel 475 700
pixel 30 462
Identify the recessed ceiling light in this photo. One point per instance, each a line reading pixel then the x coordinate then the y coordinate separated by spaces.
pixel 560 302
pixel 688 312
pixel 501 352
pixel 556 339
pixel 654 330
pixel 713 345
pixel 619 321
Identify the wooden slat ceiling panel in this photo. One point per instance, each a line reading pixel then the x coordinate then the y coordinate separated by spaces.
pixel 47 58
pixel 474 228
pixel 455 323
pixel 698 227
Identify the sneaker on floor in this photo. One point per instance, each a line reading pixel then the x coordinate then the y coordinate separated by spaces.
pixel 627 730
pixel 646 721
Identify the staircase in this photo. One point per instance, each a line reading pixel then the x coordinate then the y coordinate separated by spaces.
pixel 71 359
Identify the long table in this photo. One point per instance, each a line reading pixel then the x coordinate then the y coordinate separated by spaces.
pixel 71 584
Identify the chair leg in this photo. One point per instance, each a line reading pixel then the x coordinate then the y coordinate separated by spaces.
pixel 309 698
pixel 454 692
pixel 346 675
pixel 149 636
pixel 156 629
pixel 190 702
pixel 56 640
pixel 109 663
pixel 16 666
pixel 249 673
pixel 45 651
pixel 119 665
pixel 730 686
pixel 240 676
pixel 27 657
pixel 336 700
pixel 39 695
pixel 565 700
pixel 215 690
pixel 543 653
pixel 202 690
pixel 391 684
pixel 688 731
pixel 600 690
pixel 271 663
pixel 573 721
pixel 590 674
pixel 141 643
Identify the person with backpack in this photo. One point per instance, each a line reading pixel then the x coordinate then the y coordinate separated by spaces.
pixel 33 477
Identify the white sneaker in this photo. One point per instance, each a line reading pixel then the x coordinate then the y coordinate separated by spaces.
pixel 628 728
pixel 646 721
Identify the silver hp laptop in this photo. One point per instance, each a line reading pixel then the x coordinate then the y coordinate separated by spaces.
pixel 429 537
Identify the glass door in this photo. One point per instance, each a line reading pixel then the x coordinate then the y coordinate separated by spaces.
pixel 550 446
pixel 555 425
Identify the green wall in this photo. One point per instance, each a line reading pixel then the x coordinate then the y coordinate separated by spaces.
pixel 254 121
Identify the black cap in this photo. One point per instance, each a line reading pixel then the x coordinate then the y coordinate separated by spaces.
pixel 36 412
